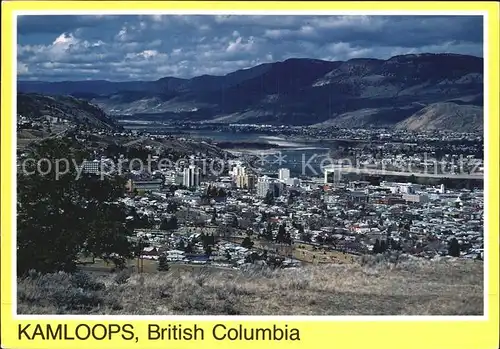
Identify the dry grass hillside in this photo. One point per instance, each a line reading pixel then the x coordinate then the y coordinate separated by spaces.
pixel 413 287
pixel 445 116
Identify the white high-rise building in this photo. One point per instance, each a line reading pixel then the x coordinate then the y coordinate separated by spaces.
pixel 191 176
pixel 174 178
pixel 239 170
pixel 246 182
pixel 263 186
pixel 283 174
pixel 332 175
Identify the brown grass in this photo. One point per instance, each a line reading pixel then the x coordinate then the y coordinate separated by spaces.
pixel 415 287
pixel 308 253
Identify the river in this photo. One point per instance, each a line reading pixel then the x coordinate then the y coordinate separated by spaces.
pixel 301 157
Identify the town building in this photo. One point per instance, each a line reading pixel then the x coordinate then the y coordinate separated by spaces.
pixel 174 178
pixel 238 170
pixel 225 182
pixel 277 188
pixel 191 176
pixel 247 181
pixel 416 198
pixel 263 186
pixel 148 185
pixel 96 167
pixel 283 174
pixel 332 176
pixel 293 182
pixel 358 197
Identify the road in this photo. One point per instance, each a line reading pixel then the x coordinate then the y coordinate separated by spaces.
pixel 135 141
pixel 381 172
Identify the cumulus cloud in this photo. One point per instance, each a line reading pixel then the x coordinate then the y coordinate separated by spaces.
pixel 149 47
pixel 22 69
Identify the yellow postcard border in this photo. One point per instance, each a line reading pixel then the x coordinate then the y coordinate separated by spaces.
pixel 348 332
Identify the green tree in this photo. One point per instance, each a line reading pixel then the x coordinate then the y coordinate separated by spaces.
pixel 208 250
pixel 281 236
pixel 269 198
pixel 268 232
pixel 275 262
pixel 173 223
pixel 61 217
pixel 306 237
pixel 320 239
pixel 252 257
pixel 247 242
pixel 181 246
pixel 169 223
pixel 234 222
pixel 207 240
pixel 188 248
pixel 221 193
pixel 454 248
pixel 263 217
pixel 214 216
pixel 172 207
pixel 163 263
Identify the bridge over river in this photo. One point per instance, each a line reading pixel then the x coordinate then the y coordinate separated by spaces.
pixel 382 172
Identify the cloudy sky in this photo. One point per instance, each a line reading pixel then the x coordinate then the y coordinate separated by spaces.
pixel 118 48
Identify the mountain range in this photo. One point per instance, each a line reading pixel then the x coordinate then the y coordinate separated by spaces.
pixel 415 91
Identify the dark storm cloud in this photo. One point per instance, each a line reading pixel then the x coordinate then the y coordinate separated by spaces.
pixel 55 24
pixel 151 47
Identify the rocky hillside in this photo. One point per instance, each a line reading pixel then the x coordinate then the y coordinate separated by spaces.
pixel 355 93
pixel 75 111
pixel 445 116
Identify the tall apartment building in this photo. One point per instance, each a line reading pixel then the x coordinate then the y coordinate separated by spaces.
pixel 266 184
pixel 174 178
pixel 246 181
pixel 283 174
pixel 263 186
pixel 191 176
pixel 238 170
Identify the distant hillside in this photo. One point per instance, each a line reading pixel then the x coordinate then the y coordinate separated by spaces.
pixel 76 111
pixel 357 93
pixel 445 116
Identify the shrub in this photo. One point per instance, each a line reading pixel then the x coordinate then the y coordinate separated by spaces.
pixel 85 281
pixel 64 291
pixel 123 276
pixel 162 263
pixel 77 299
pixel 200 277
